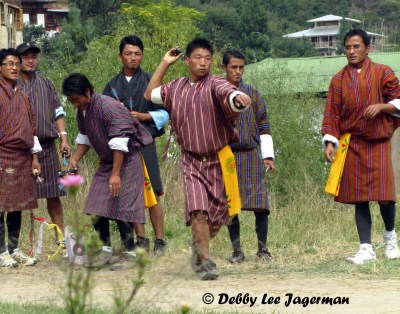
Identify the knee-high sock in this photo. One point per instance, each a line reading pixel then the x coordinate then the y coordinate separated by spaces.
pixel 262 229
pixel 126 232
pixel 234 233
pixel 388 213
pixel 14 228
pixel 102 227
pixel 363 222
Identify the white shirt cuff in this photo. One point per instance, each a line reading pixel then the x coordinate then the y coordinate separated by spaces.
pixel 60 112
pixel 231 97
pixel 156 97
pixel 330 138
pixel 37 148
pixel 396 104
pixel 160 117
pixel 267 146
pixel 119 143
pixel 82 140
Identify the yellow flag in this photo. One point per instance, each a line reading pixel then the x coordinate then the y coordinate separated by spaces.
pixel 228 167
pixel 335 175
pixel 149 196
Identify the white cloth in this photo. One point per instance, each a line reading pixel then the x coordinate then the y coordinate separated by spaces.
pixel 83 140
pixel 119 143
pixel 330 138
pixel 267 146
pixel 37 148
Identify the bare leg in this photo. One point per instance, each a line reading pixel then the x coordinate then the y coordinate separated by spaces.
pixel 55 210
pixel 157 219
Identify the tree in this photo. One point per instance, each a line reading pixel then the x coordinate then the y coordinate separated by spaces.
pixel 292 48
pixel 33 33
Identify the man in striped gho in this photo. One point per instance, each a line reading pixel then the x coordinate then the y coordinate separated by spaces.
pixel 363 100
pixel 203 109
pixel 50 125
pixel 18 159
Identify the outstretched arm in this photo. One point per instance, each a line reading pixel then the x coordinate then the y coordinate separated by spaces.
pixel 157 78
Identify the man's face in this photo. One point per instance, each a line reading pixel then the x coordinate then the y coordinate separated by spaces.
pixel 356 51
pixel 80 102
pixel 10 68
pixel 131 57
pixel 199 63
pixel 234 70
pixel 29 61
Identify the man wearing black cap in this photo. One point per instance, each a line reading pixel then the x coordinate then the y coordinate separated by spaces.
pixel 49 126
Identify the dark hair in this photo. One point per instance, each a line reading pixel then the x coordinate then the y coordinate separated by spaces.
pixel 130 40
pixel 4 53
pixel 232 54
pixel 358 32
pixel 76 84
pixel 198 43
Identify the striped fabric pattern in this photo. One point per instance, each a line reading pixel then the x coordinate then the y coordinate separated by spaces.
pixel 368 172
pixel 252 123
pixel 43 96
pixel 50 165
pixel 105 119
pixel 203 121
pixel 17 190
pixel 200 113
pixel 204 188
pixel 249 164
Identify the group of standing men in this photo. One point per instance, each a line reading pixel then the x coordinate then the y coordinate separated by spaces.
pixel 209 115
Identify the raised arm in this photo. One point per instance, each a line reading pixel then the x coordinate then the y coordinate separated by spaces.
pixel 157 78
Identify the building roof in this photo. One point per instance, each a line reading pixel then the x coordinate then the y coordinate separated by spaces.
pixel 58 10
pixel 331 17
pixel 315 32
pixel 309 75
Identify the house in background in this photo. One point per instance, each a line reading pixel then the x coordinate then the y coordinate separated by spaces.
pixel 47 13
pixel 325 33
pixel 11 26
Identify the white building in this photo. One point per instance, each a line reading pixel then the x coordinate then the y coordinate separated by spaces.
pixel 324 34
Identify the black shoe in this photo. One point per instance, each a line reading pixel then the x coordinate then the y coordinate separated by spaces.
pixel 160 246
pixel 144 243
pixel 265 255
pixel 208 270
pixel 237 257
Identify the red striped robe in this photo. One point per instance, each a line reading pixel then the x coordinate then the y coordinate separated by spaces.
pixel 17 190
pixel 368 172
pixel 203 121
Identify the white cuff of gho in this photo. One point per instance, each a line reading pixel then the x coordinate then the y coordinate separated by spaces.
pixel 119 143
pixel 62 133
pixel 396 104
pixel 231 102
pixel 156 97
pixel 37 148
pixel 332 139
pixel 82 139
pixel 267 146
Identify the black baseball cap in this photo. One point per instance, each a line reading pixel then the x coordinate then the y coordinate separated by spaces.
pixel 24 47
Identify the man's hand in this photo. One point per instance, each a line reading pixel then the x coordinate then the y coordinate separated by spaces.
pixel 242 100
pixel 170 57
pixel 73 164
pixel 140 116
pixel 329 152
pixel 35 167
pixel 373 110
pixel 64 147
pixel 269 165
pixel 114 184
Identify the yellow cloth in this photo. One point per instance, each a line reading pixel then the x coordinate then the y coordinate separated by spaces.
pixel 335 175
pixel 228 166
pixel 149 196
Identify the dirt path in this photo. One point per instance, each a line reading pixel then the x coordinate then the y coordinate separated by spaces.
pixel 171 282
